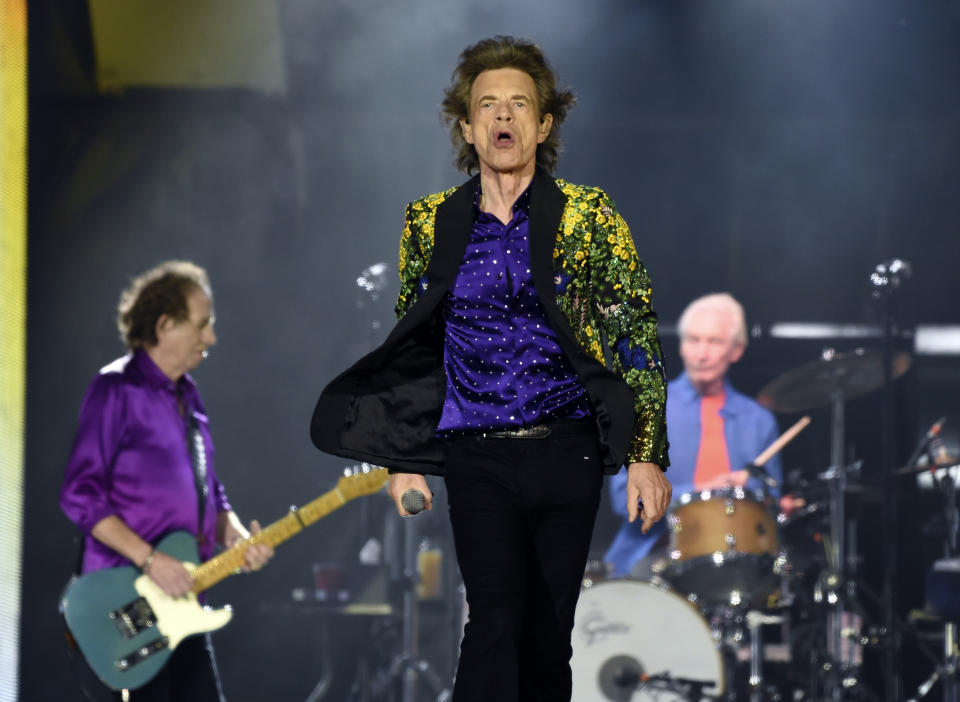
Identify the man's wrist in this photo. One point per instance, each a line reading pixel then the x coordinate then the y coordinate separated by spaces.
pixel 145 567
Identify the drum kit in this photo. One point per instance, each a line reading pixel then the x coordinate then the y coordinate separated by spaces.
pixel 738 570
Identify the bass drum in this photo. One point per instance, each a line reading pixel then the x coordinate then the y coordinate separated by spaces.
pixel 637 642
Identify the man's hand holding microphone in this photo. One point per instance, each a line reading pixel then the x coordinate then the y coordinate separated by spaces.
pixel 410 493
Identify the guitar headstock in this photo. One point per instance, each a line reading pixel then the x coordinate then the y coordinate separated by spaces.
pixel 363 479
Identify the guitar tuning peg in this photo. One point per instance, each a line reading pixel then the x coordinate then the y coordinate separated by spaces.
pixel 365 467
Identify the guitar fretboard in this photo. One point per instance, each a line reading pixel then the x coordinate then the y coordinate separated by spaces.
pixel 229 561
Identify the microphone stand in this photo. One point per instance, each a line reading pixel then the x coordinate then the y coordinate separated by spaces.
pixel 886 280
pixel 407 665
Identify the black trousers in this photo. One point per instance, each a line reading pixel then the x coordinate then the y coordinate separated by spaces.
pixel 522 512
pixel 189 676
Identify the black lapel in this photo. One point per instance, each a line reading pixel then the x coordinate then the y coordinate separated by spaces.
pixel 451 235
pixel 451 232
pixel 546 210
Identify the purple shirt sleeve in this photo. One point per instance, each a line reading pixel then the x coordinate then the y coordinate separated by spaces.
pixel 131 458
pixel 84 495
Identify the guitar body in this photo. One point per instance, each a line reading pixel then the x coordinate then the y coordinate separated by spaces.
pixel 127 627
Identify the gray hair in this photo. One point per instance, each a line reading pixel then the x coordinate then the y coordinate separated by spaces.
pixel 718 303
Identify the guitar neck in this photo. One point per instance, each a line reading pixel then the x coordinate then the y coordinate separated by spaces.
pixel 227 562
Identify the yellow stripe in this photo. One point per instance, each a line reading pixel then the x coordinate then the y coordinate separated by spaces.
pixel 13 312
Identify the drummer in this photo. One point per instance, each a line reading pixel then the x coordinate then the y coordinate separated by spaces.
pixel 714 431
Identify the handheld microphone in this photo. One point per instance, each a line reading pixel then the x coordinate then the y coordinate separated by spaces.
pixel 413 500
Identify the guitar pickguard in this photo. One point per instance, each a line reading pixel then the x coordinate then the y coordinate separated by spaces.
pixel 178 618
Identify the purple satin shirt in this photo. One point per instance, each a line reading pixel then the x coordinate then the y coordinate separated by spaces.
pixel 131 459
pixel 504 366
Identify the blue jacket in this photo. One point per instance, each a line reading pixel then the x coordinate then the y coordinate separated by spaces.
pixel 748 429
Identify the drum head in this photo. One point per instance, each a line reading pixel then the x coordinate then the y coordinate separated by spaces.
pixel 635 642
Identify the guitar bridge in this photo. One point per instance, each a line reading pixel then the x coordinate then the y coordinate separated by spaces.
pixel 133 618
pixel 141 654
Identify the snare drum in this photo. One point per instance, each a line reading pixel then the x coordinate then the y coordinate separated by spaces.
pixel 723 547
pixel 642 643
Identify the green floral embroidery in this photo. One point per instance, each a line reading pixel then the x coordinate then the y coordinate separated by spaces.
pixel 416 247
pixel 609 299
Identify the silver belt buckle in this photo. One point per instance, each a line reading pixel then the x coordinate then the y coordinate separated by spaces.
pixel 540 431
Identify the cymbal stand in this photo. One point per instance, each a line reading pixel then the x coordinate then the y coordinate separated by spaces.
pixel 755 621
pixel 841 666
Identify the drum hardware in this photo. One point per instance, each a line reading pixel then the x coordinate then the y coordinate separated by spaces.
pixel 638 642
pixel 724 543
pixel 830 381
pixel 946 671
pixel 849 374
pixel 690 689
pixel 835 588
pixel 596 571
pixel 755 620
pixel 737 633
pixel 723 547
pixel 943 580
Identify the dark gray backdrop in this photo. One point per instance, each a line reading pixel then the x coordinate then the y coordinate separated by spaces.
pixel 778 150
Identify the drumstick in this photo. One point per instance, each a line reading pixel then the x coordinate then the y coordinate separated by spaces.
pixel 784 439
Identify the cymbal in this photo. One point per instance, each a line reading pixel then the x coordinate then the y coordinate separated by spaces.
pixel 844 375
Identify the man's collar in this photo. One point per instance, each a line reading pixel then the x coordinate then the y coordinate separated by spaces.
pixel 688 393
pixel 153 376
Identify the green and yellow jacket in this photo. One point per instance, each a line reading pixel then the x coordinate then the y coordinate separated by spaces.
pixel 596 296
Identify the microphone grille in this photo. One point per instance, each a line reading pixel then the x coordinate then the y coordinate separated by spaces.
pixel 413 501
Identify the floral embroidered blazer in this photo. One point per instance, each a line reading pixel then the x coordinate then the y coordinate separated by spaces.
pixel 595 293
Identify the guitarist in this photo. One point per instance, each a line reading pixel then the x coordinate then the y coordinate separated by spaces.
pixel 142 462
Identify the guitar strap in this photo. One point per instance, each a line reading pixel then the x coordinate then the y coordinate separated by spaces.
pixel 198 458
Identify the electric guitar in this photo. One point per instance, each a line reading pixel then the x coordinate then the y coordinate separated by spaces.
pixel 127 627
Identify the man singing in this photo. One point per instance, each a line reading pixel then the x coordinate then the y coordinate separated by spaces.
pixel 496 376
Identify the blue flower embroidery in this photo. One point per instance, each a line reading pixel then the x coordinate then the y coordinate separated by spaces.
pixel 638 358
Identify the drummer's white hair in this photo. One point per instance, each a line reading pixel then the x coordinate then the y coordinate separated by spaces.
pixel 720 303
